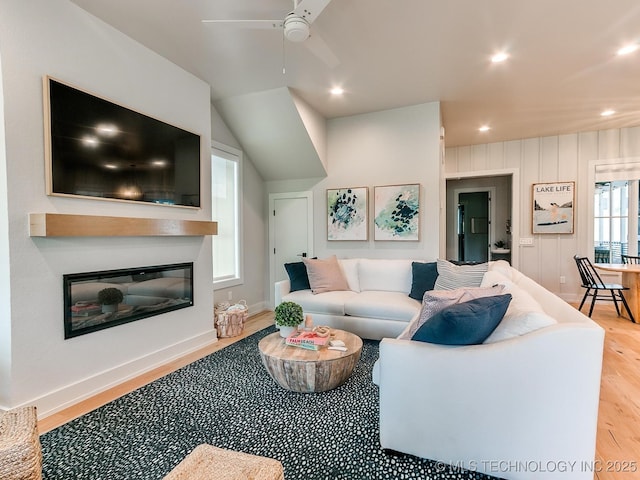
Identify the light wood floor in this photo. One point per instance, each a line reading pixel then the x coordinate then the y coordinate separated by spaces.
pixel 618 441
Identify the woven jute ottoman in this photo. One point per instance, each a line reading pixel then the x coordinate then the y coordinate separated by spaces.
pixel 206 462
pixel 20 454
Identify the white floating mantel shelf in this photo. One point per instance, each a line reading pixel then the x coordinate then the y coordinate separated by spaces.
pixel 67 225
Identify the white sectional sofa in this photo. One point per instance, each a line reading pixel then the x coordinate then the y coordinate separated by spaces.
pixel 376 306
pixel 523 407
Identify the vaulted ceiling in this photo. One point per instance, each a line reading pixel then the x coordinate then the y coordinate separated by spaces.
pixel 562 72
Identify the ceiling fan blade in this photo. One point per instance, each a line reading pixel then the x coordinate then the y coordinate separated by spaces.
pixel 310 9
pixel 260 24
pixel 320 49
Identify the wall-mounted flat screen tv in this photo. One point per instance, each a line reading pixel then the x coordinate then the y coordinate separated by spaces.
pixel 98 149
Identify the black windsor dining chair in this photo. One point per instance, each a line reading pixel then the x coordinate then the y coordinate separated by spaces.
pixel 630 259
pixel 597 289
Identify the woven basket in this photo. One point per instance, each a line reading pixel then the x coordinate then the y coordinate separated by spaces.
pixel 230 323
pixel 20 454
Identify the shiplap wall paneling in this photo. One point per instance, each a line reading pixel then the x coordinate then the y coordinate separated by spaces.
pixel 547 244
pixel 529 168
pixel 513 154
pixel 588 151
pixel 450 160
pixel 465 162
pixel 479 155
pixel 630 142
pixel 608 144
pixel 555 158
pixel 568 244
pixel 495 156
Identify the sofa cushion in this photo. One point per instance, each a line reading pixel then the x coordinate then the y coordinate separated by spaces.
pixel 452 276
pixel 423 278
pixel 382 305
pixel 467 323
pixel 524 314
pixel 385 275
pixel 298 278
pixel 436 300
pixel 330 303
pixel 325 275
pixel 350 270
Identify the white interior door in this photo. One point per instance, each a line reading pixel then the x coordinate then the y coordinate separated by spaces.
pixel 290 231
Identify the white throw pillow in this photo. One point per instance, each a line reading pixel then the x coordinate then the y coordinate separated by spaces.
pixel 385 275
pixel 524 315
pixel 350 270
pixel 517 324
pixel 452 276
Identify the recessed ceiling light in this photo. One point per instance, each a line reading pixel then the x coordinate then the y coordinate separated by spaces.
pixel 110 166
pixel 626 50
pixel 607 113
pixel 337 91
pixel 499 57
pixel 484 128
pixel 158 163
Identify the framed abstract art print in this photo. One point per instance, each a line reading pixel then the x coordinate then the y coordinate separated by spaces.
pixel 347 213
pixel 397 212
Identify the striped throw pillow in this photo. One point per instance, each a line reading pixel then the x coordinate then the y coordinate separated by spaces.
pixel 452 276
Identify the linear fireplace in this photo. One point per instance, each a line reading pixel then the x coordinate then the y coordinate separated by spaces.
pixel 98 300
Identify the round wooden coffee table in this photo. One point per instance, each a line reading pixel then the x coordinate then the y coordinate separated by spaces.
pixel 305 371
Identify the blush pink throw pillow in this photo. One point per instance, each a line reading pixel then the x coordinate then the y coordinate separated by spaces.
pixel 325 275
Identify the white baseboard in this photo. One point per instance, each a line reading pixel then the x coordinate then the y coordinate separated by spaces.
pixel 257 308
pixel 74 393
pixel 570 297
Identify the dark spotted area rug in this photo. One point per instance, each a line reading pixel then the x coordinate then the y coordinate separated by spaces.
pixel 228 400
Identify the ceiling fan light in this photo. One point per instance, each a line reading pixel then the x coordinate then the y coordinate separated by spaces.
pixel 296 29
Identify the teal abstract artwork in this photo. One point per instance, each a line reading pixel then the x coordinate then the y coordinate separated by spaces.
pixel 347 214
pixel 397 212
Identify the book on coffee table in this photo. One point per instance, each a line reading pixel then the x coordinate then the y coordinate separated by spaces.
pixel 308 340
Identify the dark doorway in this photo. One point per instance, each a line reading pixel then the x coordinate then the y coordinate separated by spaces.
pixel 473 226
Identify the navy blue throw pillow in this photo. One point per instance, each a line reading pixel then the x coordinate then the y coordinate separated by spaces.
pixel 424 277
pixel 298 277
pixel 467 323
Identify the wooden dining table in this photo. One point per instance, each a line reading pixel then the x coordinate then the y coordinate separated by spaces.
pixel 630 279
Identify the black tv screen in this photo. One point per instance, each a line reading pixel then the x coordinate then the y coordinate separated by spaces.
pixel 99 149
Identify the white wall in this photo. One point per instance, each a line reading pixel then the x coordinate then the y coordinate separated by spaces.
pixel 55 37
pixel 5 281
pixel 391 147
pixel 254 227
pixel 549 159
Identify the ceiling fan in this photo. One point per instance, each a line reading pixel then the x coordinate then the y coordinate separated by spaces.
pixel 296 27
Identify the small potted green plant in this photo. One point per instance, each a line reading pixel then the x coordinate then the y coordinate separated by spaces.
pixel 109 298
pixel 288 315
pixel 501 244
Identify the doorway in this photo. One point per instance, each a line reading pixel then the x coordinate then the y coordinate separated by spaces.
pixel 474 240
pixel 503 188
pixel 290 232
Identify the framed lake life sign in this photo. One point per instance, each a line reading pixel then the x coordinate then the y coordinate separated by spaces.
pixel 347 213
pixel 553 207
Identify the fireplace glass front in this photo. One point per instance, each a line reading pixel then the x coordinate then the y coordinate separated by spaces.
pixel 98 300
